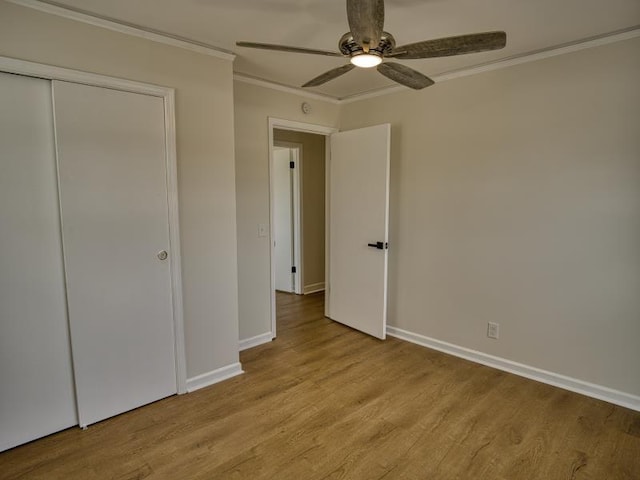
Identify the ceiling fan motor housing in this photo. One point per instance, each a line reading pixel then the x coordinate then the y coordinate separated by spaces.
pixel 350 48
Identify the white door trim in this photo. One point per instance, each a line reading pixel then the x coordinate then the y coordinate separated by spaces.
pixel 327 226
pixel 49 72
pixel 297 127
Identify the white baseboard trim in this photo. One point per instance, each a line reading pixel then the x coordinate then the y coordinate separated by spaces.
pixel 255 341
pixel 215 376
pixel 568 383
pixel 313 288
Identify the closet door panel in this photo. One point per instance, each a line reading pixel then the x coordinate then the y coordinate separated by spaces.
pixel 112 169
pixel 36 380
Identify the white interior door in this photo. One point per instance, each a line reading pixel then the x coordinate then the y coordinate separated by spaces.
pixel 36 379
pixel 358 228
pixel 282 216
pixel 112 173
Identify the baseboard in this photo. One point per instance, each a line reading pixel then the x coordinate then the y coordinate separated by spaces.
pixel 215 376
pixel 255 341
pixel 313 288
pixel 568 383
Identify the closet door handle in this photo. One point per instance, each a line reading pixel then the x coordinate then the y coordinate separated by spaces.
pixel 378 245
pixel 162 254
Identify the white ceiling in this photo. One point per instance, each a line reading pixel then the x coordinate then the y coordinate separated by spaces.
pixel 531 25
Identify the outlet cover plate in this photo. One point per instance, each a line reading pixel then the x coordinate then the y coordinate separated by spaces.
pixel 493 330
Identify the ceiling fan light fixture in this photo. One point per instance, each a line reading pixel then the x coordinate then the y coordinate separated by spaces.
pixel 366 45
pixel 366 60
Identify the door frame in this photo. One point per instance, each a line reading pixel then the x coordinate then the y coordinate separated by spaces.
pixel 296 200
pixel 50 72
pixel 326 131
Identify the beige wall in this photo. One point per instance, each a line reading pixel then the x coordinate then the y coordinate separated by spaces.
pixel 516 199
pixel 313 189
pixel 204 116
pixel 253 106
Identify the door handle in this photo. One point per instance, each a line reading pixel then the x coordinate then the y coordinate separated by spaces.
pixel 162 254
pixel 378 245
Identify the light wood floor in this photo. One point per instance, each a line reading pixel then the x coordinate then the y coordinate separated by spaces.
pixel 326 402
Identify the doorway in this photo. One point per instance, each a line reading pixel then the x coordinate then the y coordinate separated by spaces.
pixel 298 157
pixel 353 215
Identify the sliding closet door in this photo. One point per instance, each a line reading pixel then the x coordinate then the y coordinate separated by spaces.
pixel 36 380
pixel 111 156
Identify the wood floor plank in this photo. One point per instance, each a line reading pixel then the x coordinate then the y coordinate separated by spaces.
pixel 324 402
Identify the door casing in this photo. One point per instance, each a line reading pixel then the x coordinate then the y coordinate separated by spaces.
pixel 326 131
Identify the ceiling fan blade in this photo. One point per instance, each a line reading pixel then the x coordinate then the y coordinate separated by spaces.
pixel 404 75
pixel 445 47
pixel 366 20
pixel 330 75
pixel 286 48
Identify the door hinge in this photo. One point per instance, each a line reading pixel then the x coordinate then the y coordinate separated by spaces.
pixel 293 269
pixel 292 164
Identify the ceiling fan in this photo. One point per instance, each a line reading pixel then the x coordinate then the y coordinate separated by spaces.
pixel 367 45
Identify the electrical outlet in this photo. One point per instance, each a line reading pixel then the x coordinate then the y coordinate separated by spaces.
pixel 493 330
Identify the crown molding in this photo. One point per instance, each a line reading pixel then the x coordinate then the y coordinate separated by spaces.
pixel 206 49
pixel 126 28
pixel 533 56
pixel 541 54
pixel 376 93
pixel 240 77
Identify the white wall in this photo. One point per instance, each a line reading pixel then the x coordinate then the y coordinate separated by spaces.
pixel 516 199
pixel 206 177
pixel 253 106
